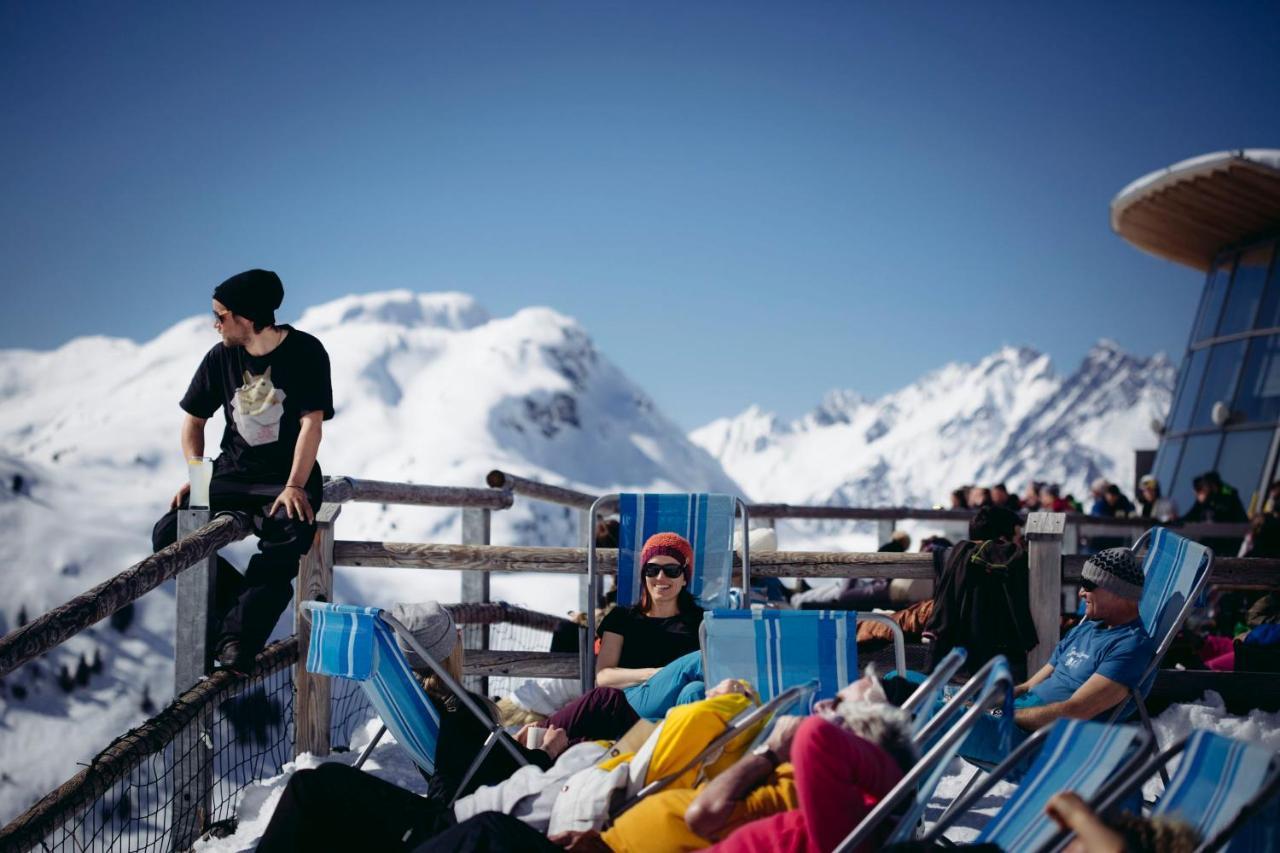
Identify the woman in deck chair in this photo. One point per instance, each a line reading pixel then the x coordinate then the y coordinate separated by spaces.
pixel 650 651
pixel 317 807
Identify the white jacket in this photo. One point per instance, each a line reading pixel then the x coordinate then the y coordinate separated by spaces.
pixel 530 792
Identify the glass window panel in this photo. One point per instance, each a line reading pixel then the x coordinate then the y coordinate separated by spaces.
pixel 1240 463
pixel 1215 293
pixel 1167 463
pixel 1269 314
pixel 1246 290
pixel 1259 397
pixel 1219 381
pixel 1183 406
pixel 1197 457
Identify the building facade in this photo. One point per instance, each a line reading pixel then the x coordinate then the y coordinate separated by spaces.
pixel 1219 213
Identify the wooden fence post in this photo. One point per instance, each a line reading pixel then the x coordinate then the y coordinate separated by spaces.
pixel 312 702
pixel 475 587
pixel 192 661
pixel 1044 588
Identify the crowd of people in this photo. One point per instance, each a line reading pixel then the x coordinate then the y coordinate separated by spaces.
pixel 807 784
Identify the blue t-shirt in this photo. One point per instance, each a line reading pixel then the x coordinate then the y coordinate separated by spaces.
pixel 1121 654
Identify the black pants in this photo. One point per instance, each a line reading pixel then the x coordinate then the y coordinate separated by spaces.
pixel 336 807
pixel 489 832
pixel 248 607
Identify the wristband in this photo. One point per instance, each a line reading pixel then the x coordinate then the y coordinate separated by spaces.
pixel 292 486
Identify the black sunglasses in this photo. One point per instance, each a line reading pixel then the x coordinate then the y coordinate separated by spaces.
pixel 670 570
pixel 1087 585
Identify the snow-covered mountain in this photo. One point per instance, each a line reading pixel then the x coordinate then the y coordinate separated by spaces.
pixel 428 388
pixel 1009 418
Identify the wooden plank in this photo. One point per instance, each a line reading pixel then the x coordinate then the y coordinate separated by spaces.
pixel 65 621
pixel 504 558
pixel 343 489
pixel 1044 588
pixel 475 588
pixel 540 491
pixel 192 660
pixel 312 695
pixel 1228 572
pixel 522 664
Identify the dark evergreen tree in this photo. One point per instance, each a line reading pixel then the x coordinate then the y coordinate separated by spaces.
pixel 82 671
pixel 95 665
pixel 148 707
pixel 65 681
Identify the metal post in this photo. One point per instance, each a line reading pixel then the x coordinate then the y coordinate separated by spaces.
pixel 475 588
pixel 1044 588
pixel 311 695
pixel 193 660
pixel 586 532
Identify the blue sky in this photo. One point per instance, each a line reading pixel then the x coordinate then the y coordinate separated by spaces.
pixel 741 202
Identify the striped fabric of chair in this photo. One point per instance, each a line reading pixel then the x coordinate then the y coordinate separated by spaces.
pixel 777 649
pixel 353 642
pixel 1172 568
pixel 706 520
pixel 1215 779
pixel 1078 755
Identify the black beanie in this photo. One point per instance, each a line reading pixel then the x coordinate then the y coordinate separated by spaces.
pixel 255 294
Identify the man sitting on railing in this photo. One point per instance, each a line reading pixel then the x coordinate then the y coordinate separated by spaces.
pixel 272 384
pixel 1091 670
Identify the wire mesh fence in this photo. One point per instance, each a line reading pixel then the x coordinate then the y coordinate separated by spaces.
pixel 157 787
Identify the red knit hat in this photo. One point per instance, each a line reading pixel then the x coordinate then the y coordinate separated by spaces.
pixel 669 545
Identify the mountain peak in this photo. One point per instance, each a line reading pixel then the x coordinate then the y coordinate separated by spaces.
pixel 404 308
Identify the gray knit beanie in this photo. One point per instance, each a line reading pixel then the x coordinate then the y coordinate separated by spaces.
pixel 431 625
pixel 1115 570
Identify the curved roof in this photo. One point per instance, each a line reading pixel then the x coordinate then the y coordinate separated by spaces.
pixel 1191 210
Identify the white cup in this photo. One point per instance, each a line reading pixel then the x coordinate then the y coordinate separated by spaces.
pixel 533 737
pixel 200 471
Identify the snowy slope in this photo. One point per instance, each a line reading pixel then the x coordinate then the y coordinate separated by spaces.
pixel 1009 417
pixel 428 388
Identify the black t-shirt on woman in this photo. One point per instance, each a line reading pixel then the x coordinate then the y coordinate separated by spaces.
pixel 263 399
pixel 652 642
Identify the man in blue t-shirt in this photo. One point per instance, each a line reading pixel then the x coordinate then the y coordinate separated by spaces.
pixel 1091 670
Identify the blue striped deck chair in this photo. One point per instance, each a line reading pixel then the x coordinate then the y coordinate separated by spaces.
pixel 990 688
pixel 706 520
pixel 1084 756
pixel 1175 571
pixel 777 649
pixel 359 643
pixel 1215 781
pixel 922 704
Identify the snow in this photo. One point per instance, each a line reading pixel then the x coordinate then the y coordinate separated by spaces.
pixel 389 762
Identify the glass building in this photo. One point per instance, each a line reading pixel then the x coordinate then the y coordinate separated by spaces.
pixel 1219 213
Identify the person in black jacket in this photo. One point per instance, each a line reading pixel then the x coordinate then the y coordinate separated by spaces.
pixel 317 808
pixel 981 599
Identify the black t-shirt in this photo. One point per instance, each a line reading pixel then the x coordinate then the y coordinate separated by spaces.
pixel 652 642
pixel 263 399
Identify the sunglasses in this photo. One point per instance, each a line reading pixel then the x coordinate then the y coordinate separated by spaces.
pixel 1088 586
pixel 219 319
pixel 672 571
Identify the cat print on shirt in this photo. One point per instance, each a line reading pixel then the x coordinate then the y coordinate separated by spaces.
pixel 257 409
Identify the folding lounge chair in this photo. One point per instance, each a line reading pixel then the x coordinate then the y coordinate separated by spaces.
pixel 939 739
pixel 777 649
pixel 922 703
pixel 1216 780
pixel 1084 756
pixel 706 520
pixel 1175 571
pixel 359 643
pixel 767 712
